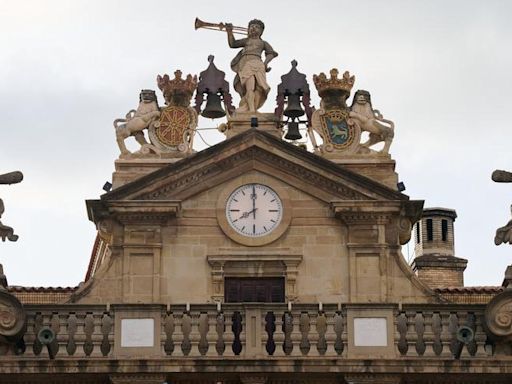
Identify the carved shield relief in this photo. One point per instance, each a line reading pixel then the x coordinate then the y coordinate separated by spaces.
pixel 173 128
pixel 337 130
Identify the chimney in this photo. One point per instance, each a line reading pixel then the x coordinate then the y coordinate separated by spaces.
pixel 435 262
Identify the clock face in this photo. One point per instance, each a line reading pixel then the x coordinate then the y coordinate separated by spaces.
pixel 254 210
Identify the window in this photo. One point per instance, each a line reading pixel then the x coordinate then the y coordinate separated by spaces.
pixel 430 230
pixel 254 290
pixel 444 230
pixel 418 237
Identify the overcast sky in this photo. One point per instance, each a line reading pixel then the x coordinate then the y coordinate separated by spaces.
pixel 441 70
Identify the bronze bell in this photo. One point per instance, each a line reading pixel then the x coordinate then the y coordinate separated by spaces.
pixel 293 131
pixel 293 109
pixel 213 109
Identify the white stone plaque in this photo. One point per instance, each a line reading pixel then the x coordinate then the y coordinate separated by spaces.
pixel 137 332
pixel 370 332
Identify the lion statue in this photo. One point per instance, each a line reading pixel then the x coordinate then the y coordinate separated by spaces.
pixel 371 121
pixel 136 121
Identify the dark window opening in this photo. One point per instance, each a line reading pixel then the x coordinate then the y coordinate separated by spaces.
pixel 444 230
pixel 430 230
pixel 418 238
pixel 254 290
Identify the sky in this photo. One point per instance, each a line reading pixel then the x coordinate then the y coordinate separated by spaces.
pixel 441 70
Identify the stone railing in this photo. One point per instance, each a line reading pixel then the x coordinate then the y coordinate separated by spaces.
pixel 437 332
pixel 251 331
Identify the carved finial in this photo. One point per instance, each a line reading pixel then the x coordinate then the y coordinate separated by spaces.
pixel 210 59
pixel 294 63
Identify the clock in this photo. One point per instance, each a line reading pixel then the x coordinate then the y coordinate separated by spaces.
pixel 254 210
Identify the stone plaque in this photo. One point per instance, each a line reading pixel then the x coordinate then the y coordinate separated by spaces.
pixel 137 332
pixel 370 332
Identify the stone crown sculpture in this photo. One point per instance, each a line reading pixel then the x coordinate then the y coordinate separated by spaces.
pixel 324 84
pixel 177 91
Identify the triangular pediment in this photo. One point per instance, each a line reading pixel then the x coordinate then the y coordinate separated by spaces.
pixel 253 151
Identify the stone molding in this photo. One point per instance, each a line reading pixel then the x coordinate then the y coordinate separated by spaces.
pixel 139 378
pixel 134 211
pixel 254 153
pixel 270 261
pixel 366 212
pixel 253 379
pixel 368 378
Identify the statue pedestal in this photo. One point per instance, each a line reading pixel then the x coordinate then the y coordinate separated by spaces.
pixel 128 170
pixel 241 122
pixel 378 167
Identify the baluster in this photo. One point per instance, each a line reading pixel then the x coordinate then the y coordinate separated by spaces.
pixel 330 335
pixel 55 326
pixel 313 333
pixel 169 330
pixel 194 333
pixel 453 326
pixel 106 327
pixel 71 330
pixel 296 334
pixel 270 328
pixel 419 327
pixel 471 323
pixel 445 334
pixel 279 335
pixel 178 332
pixel 321 327
pixel 437 328
pixel 220 328
pixel 287 330
pixel 338 329
pixel 237 330
pixel 229 336
pixel 428 336
pixel 211 332
pixel 480 336
pixel 37 347
pixel 304 328
pixel 88 330
pixel 186 328
pixel 401 325
pixel 204 328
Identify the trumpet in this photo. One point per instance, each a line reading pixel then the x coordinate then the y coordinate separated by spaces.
pixel 218 27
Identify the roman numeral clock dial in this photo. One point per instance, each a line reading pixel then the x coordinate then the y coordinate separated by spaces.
pixel 254 210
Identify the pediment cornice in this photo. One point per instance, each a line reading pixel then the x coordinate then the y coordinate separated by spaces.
pixel 259 151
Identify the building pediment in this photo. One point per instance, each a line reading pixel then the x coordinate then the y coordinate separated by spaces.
pixel 253 151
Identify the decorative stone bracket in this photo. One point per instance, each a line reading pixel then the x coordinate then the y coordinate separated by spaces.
pixel 377 212
pixel 269 262
pixel 145 212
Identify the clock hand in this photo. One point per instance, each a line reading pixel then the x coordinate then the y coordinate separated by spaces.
pixel 245 215
pixel 253 202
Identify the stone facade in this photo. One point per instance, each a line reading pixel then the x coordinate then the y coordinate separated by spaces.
pixel 154 307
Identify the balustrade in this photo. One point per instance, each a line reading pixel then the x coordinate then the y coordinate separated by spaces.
pixel 251 331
